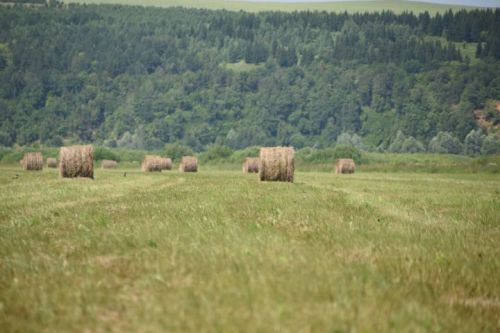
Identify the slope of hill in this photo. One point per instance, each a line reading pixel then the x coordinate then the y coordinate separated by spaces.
pixel 142 77
pixel 397 6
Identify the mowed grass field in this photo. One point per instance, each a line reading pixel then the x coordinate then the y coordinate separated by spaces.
pixel 397 6
pixel 219 251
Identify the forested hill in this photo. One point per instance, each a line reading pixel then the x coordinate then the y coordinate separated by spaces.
pixel 142 77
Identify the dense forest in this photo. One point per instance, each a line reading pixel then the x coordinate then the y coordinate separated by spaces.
pixel 137 77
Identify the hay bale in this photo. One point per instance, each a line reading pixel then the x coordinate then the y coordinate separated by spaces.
pixel 188 164
pixel 51 162
pixel 76 161
pixel 109 164
pixel 277 164
pixel 345 165
pixel 251 165
pixel 32 161
pixel 166 163
pixel 151 163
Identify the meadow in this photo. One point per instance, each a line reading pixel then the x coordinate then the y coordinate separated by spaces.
pixel 220 251
pixel 398 6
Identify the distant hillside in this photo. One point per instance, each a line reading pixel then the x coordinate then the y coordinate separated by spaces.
pixel 397 6
pixel 139 77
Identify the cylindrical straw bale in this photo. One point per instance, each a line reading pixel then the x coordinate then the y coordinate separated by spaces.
pixel 109 164
pixel 188 164
pixel 251 165
pixel 277 164
pixel 166 163
pixel 76 161
pixel 151 163
pixel 32 161
pixel 345 165
pixel 51 162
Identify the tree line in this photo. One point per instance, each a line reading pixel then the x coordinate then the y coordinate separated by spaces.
pixel 139 77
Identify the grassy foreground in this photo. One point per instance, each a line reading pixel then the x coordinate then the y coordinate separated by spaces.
pixel 219 251
pixel 356 6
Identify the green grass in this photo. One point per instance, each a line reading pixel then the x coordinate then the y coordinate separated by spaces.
pixel 466 49
pixel 220 251
pixel 397 6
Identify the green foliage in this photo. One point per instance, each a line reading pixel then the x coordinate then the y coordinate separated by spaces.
pixel 345 151
pixel 445 143
pixel 491 145
pixel 132 155
pixel 349 139
pixel 429 163
pixel 176 150
pixel 412 145
pixel 328 155
pixel 216 153
pixel 5 139
pixel 11 156
pixel 4 151
pixel 474 142
pixel 139 79
pixel 238 156
pixel 396 145
pixel 101 153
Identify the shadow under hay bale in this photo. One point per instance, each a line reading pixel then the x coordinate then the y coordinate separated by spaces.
pixel 151 163
pixel 109 164
pixel 32 161
pixel 51 162
pixel 277 164
pixel 166 163
pixel 345 165
pixel 188 164
pixel 251 165
pixel 76 161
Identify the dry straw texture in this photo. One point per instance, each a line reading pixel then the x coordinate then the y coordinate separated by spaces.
pixel 277 164
pixel 32 161
pixel 345 165
pixel 51 162
pixel 151 163
pixel 188 164
pixel 76 161
pixel 109 164
pixel 166 163
pixel 251 165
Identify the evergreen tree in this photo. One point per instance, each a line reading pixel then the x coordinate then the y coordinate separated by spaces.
pixel 491 145
pixel 474 142
pixel 445 143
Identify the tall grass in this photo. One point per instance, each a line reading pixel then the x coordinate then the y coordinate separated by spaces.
pixel 307 159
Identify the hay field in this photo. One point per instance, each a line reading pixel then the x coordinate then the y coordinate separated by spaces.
pixel 397 6
pixel 218 251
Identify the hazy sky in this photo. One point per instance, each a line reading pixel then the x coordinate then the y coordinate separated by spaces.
pixel 479 3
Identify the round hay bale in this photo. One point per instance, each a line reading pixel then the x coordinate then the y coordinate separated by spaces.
pixel 188 164
pixel 51 162
pixel 32 161
pixel 109 164
pixel 345 165
pixel 76 161
pixel 277 164
pixel 151 163
pixel 166 163
pixel 251 165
